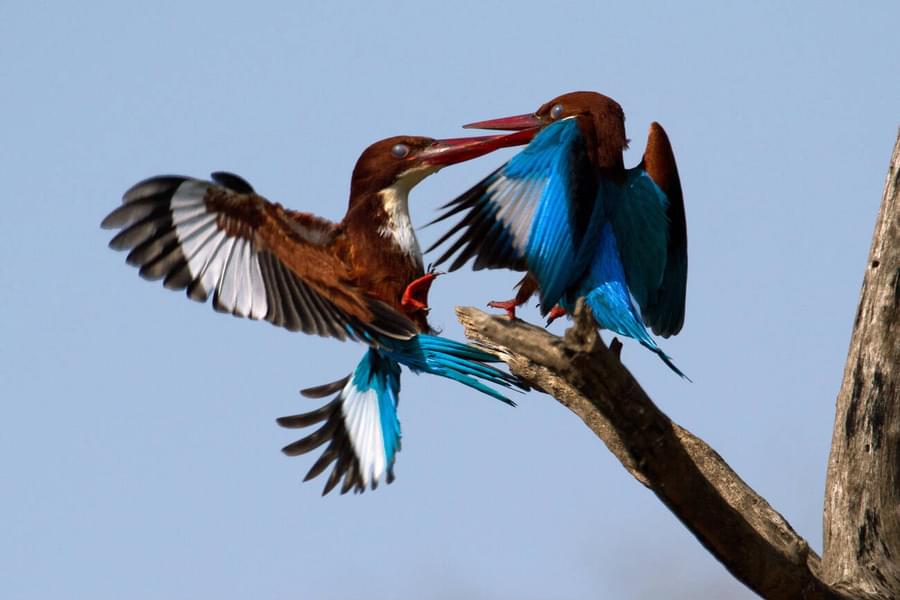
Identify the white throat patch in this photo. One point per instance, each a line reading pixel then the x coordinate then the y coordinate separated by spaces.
pixel 395 200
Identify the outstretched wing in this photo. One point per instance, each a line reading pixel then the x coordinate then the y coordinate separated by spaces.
pixel 531 213
pixel 663 310
pixel 255 258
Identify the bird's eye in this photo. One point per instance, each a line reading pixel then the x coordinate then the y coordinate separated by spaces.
pixel 556 111
pixel 400 150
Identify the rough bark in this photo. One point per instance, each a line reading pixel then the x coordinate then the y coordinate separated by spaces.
pixel 862 503
pixel 737 525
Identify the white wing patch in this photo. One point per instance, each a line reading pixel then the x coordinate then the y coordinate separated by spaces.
pixel 224 264
pixel 517 200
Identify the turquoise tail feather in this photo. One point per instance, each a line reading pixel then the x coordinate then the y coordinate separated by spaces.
pixel 606 293
pixel 612 309
pixel 453 360
pixel 360 424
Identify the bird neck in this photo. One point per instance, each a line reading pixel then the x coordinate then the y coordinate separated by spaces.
pixel 384 250
pixel 609 141
pixel 398 225
pixel 381 220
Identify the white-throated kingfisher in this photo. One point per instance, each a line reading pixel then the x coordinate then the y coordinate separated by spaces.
pixel 567 211
pixel 361 279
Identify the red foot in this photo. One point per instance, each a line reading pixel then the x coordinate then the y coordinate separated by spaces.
pixel 527 287
pixel 415 296
pixel 555 313
pixel 508 305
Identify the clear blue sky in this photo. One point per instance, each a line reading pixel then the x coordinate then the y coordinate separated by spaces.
pixel 139 453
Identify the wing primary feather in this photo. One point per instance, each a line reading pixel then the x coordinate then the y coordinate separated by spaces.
pixel 466 201
pixel 291 319
pixel 182 275
pixel 296 290
pixel 154 187
pixel 460 225
pixel 201 287
pixel 140 232
pixel 476 191
pixel 259 295
pixel 163 264
pixel 476 232
pixel 244 292
pixel 152 249
pixel 313 313
pixel 223 297
pixel 233 182
pixel 494 245
pixel 126 215
pixel 275 312
pixel 321 312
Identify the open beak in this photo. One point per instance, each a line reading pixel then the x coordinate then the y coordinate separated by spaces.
pixel 451 151
pixel 515 123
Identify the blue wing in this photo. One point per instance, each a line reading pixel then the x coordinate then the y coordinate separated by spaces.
pixel 606 292
pixel 533 213
pixel 641 228
pixel 664 308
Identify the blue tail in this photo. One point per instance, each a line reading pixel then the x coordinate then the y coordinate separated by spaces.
pixel 453 360
pixel 606 293
pixel 361 422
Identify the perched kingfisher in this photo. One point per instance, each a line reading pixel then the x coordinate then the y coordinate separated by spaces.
pixel 361 279
pixel 567 211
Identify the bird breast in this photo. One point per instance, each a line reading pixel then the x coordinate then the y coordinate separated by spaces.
pixel 398 226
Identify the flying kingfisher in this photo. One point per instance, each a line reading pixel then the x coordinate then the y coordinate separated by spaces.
pixel 567 211
pixel 361 279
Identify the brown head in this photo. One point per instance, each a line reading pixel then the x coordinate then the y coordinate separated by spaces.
pixel 600 118
pixel 403 161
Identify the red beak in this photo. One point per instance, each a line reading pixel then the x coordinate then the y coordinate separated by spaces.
pixel 456 150
pixel 516 123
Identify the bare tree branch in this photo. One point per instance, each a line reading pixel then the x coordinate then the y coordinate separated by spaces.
pixel 735 523
pixel 753 541
pixel 862 503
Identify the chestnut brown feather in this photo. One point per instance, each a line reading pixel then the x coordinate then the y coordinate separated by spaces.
pixel 659 162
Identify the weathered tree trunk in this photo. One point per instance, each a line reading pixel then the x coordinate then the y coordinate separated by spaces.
pixel 862 498
pixel 753 541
